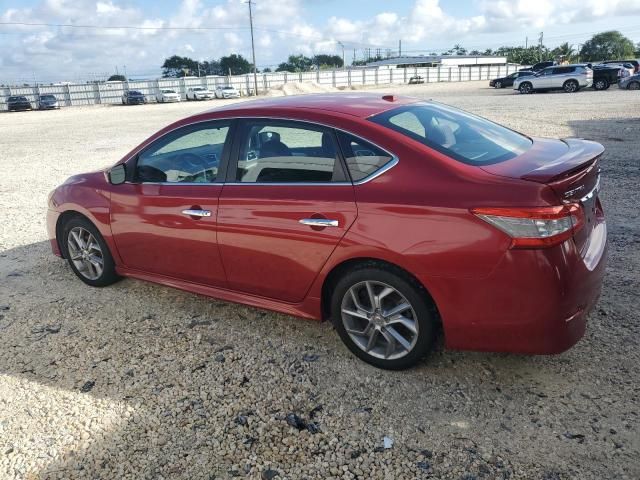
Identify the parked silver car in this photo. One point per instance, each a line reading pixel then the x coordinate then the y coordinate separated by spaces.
pixel 47 102
pixel 569 78
pixel 226 92
pixel 630 83
pixel 167 95
pixel 199 93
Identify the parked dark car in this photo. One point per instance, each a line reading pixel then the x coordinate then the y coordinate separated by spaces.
pixel 446 221
pixel 47 102
pixel 18 102
pixel 604 77
pixel 635 63
pixel 509 79
pixel 630 83
pixel 416 80
pixel 540 66
pixel 133 97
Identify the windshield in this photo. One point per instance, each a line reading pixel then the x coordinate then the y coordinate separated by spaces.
pixel 47 97
pixel 465 137
pixel 198 89
pixel 134 92
pixel 168 91
pixel 228 88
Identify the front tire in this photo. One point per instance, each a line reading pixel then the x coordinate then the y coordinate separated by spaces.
pixel 525 88
pixel 497 85
pixel 384 317
pixel 87 253
pixel 570 86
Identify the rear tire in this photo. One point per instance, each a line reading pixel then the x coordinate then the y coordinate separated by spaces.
pixel 391 324
pixel 570 86
pixel 634 86
pixel 602 84
pixel 87 253
pixel 525 88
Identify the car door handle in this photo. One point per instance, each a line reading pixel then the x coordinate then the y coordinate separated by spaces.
pixel 197 213
pixel 319 222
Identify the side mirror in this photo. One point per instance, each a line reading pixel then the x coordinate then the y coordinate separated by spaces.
pixel 118 174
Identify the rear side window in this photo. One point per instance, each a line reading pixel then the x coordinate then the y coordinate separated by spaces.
pixel 363 159
pixel 563 70
pixel 283 151
pixel 459 135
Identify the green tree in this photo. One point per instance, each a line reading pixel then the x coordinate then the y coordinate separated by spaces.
pixel 266 70
pixel 177 66
pixel 328 61
pixel 638 50
pixel 235 64
pixel 610 45
pixel 116 78
pixel 296 63
pixel 458 50
pixel 564 52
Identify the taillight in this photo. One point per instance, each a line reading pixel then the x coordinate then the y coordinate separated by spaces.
pixel 537 227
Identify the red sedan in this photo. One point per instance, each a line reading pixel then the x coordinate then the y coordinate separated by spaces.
pixel 390 216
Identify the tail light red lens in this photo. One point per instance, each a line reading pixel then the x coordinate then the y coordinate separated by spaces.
pixel 537 227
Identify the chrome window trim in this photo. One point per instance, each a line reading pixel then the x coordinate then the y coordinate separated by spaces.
pixel 385 168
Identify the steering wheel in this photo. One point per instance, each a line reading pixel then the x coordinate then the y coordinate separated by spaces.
pixel 194 163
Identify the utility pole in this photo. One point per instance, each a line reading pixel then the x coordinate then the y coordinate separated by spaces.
pixel 399 48
pixel 342 45
pixel 253 50
pixel 526 42
pixel 540 46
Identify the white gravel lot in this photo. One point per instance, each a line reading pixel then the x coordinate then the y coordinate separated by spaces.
pixel 141 381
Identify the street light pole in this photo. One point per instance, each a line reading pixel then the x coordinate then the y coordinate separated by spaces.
pixel 253 50
pixel 343 64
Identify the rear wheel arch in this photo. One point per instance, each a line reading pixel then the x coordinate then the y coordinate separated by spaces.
pixel 341 269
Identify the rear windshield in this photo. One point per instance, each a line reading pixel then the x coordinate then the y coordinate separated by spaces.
pixel 465 137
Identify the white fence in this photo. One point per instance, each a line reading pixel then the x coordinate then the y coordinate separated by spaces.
pixel 111 92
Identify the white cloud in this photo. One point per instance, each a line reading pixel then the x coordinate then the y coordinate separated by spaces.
pixel 282 28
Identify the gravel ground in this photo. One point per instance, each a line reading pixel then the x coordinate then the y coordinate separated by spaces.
pixel 140 381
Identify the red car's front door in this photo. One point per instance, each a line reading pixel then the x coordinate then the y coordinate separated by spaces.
pixel 284 209
pixel 165 220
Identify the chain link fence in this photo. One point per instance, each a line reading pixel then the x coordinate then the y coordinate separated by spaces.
pixel 69 94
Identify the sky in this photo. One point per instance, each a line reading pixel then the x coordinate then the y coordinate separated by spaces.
pixel 209 29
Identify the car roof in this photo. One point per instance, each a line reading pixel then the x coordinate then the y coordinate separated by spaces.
pixel 361 105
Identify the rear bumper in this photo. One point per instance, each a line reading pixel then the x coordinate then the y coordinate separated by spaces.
pixel 534 302
pixel 52 221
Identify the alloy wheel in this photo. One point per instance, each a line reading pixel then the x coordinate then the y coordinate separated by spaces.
pixel 570 87
pixel 379 320
pixel 525 88
pixel 85 253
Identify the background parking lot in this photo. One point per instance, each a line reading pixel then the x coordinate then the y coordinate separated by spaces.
pixel 142 381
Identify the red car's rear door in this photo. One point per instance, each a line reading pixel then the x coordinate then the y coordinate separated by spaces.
pixel 286 205
pixel 164 220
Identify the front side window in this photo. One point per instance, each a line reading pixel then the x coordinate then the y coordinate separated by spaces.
pixel 288 152
pixel 363 159
pixel 458 134
pixel 189 155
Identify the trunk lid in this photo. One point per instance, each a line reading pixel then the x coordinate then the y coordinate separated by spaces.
pixel 569 166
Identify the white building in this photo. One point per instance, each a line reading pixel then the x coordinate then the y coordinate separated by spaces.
pixel 438 61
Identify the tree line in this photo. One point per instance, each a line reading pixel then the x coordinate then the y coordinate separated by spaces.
pixel 611 45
